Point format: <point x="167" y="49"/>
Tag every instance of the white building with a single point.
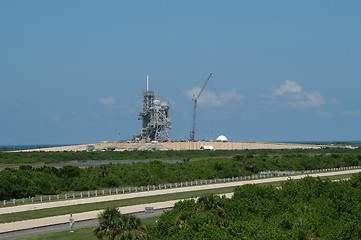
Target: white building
<point x="222" y="138"/>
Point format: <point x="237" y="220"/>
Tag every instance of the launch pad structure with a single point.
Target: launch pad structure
<point x="155" y="118"/>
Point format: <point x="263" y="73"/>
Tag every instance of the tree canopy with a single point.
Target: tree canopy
<point x="114" y="225"/>
<point x="311" y="208"/>
<point x="27" y="180"/>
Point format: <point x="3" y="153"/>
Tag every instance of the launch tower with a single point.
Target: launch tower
<point x="155" y="118"/>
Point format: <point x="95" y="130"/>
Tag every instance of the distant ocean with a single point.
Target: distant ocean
<point x="325" y="142"/>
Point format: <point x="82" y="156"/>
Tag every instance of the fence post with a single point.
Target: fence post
<point x="66" y="196"/>
<point x="110" y="192"/>
<point x="73" y="195"/>
<point x="57" y="196"/>
<point x="81" y="194"/>
<point x="103" y="192"/>
<point x="123" y="190"/>
<point x="4" y="202"/>
<point x="96" y="193"/>
<point x="116" y="191"/>
<point x="14" y="201"/>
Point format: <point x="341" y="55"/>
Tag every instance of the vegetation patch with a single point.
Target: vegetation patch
<point x="28" y="181"/>
<point x="311" y="208"/>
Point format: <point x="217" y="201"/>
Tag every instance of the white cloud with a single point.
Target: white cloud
<point x="107" y="101"/>
<point x="209" y="98"/>
<point x="353" y="113"/>
<point x="287" y="87"/>
<point x="230" y="96"/>
<point x="291" y="94"/>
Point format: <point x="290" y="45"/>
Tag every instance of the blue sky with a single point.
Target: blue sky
<point x="74" y="71"/>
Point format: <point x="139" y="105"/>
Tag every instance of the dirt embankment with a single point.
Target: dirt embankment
<point x="163" y="146"/>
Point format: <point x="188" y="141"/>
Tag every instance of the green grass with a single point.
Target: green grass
<point x="81" y="233"/>
<point x="150" y="221"/>
<point x="12" y="217"/>
<point x="78" y="234"/>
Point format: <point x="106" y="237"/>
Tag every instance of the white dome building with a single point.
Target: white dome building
<point x="222" y="138"/>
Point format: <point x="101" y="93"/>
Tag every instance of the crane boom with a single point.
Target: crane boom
<point x="195" y="99"/>
<point x="204" y="85"/>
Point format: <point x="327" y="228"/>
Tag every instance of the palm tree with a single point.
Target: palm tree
<point x="109" y="221"/>
<point x="209" y="202"/>
<point x="132" y="228"/>
<point x="114" y="225"/>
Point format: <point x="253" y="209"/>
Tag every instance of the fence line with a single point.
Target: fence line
<point x="94" y="193"/>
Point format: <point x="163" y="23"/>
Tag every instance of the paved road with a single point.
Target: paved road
<point x="27" y="224"/>
<point x="61" y="219"/>
<point x="65" y="226"/>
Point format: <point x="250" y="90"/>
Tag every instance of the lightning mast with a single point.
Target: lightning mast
<point x="195" y="99"/>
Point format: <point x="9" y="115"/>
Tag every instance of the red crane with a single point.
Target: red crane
<point x="195" y="98"/>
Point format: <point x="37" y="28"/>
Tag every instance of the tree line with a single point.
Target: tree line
<point x="27" y="181"/>
<point x="61" y="157"/>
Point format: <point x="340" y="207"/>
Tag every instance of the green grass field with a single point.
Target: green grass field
<point x="81" y="233"/>
<point x="78" y="234"/>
